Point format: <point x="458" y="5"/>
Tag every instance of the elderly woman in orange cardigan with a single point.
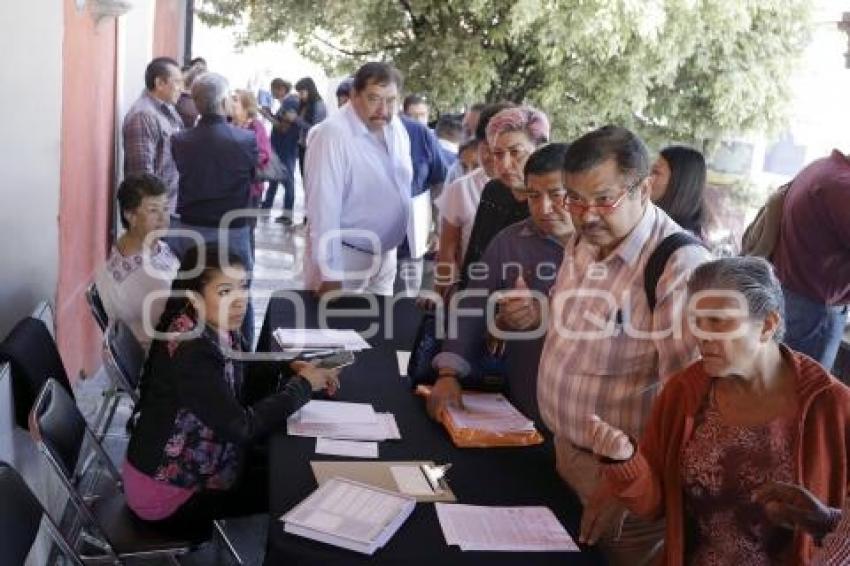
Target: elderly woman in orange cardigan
<point x="749" y="413"/>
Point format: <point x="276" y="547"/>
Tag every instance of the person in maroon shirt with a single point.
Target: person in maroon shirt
<point x="812" y="257"/>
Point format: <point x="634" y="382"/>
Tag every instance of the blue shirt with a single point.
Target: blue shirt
<point x="519" y="248"/>
<point x="355" y="181"/>
<point x="426" y="156"/>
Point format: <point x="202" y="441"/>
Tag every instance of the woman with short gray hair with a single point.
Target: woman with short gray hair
<point x="749" y="413"/>
<point x="754" y="282"/>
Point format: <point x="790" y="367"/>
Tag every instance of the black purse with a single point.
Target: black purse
<point x="273" y="170"/>
<point x="426" y="346"/>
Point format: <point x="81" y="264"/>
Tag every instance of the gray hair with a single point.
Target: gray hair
<point x="751" y="276"/>
<point x="209" y="91"/>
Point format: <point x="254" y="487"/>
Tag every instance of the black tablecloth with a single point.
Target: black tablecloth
<point x="499" y="476"/>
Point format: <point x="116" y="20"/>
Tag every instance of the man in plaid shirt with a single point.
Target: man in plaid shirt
<point x="151" y="122"/>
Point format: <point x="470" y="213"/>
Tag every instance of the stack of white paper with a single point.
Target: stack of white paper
<point x="343" y="421"/>
<point x="349" y="514"/>
<point x="384" y="429"/>
<point x="490" y="412"/>
<point x="352" y="448"/>
<point x="507" y="529"/>
<point x="336" y="412"/>
<point x="319" y="338"/>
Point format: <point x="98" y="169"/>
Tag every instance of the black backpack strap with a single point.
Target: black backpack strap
<point x="657" y="262"/>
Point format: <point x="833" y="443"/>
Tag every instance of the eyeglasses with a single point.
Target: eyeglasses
<point x="377" y="100"/>
<point x="603" y="205"/>
<point x="555" y="195"/>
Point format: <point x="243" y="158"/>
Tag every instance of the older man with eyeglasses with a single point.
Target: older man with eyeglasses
<point x="357" y="180"/>
<point x="614" y="331"/>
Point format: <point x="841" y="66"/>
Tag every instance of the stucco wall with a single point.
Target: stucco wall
<point x="30" y="112"/>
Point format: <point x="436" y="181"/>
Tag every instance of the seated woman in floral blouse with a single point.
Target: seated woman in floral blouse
<point x="139" y="264"/>
<point x="749" y="413"/>
<point x="202" y="408"/>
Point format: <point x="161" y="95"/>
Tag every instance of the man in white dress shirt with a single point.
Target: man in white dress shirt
<point x="357" y="184"/>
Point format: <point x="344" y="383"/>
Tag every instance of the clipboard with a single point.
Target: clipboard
<point x="419" y="224"/>
<point x="379" y="474"/>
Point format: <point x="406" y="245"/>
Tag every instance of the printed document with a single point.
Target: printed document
<point x="491" y="412"/>
<point x="336" y="412"/>
<point x="507" y="529"/>
<point x="384" y="428"/>
<point x="350" y="515"/>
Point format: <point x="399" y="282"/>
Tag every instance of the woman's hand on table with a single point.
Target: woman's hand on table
<point x="319" y="378"/>
<point x="446" y="391"/>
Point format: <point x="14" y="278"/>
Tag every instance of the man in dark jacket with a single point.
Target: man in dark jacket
<point x="216" y="163"/>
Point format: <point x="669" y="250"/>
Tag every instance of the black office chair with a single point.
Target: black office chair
<point x="34" y="358"/>
<point x="124" y="359"/>
<point x="96" y="307"/>
<point x="61" y="434"/>
<point x="21" y="517"/>
<point x="44" y="312"/>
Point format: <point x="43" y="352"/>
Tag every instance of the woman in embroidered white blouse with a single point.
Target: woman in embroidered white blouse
<point x="140" y="263"/>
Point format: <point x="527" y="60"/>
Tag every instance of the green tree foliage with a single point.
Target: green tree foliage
<point x="678" y="69"/>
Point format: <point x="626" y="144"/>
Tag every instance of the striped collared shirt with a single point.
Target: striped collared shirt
<point x="605" y="352"/>
<point x="148" y="127"/>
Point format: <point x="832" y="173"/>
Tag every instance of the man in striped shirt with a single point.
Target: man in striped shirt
<point x="607" y="350"/>
<point x="150" y="123"/>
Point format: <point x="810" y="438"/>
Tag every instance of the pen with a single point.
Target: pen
<point x="316" y="354"/>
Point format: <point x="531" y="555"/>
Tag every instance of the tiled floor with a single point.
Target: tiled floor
<point x="277" y="266"/>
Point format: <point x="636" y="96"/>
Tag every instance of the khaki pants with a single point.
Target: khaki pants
<point x="641" y="542"/>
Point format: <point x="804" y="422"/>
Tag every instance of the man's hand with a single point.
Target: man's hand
<point x="327" y="287"/>
<point x="266" y="112"/>
<point x="519" y="311"/>
<point x="446" y="391"/>
<point x="425" y="303"/>
<point x="433" y="242"/>
<point x="608" y="441"/>
<point x="793" y="506"/>
<point x="602" y="515"/>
